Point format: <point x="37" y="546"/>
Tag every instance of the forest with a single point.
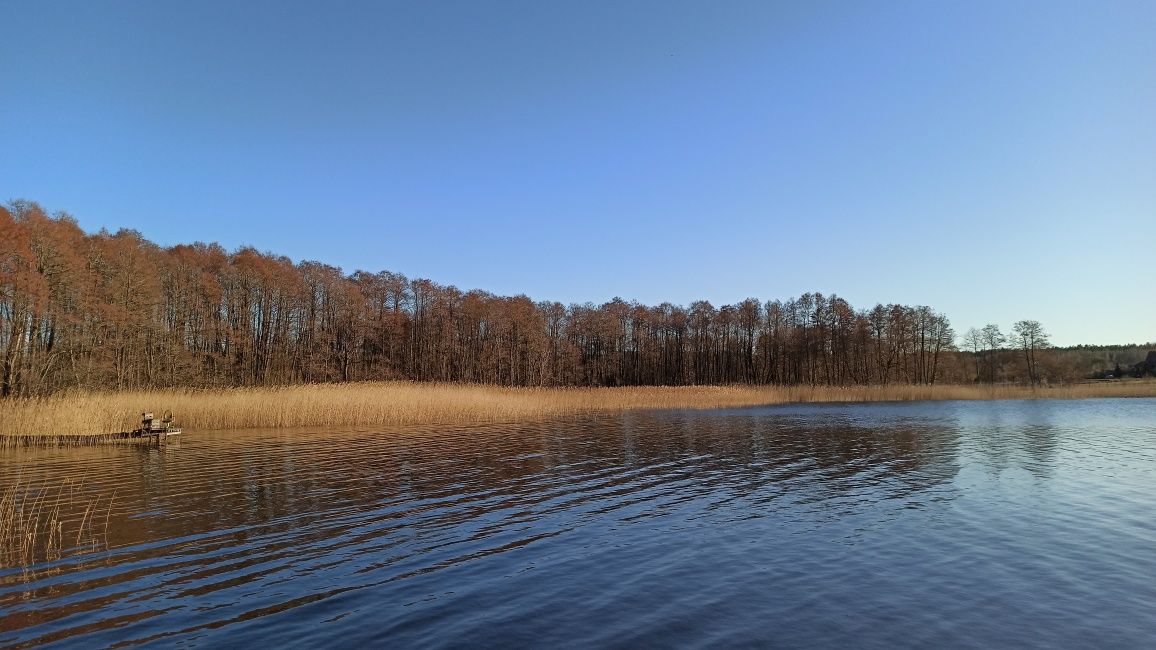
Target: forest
<point x="115" y="311"/>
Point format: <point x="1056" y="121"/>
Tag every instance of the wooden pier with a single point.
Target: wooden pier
<point x="152" y="428"/>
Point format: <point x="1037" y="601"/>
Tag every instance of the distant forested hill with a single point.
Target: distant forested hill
<point x="108" y="311"/>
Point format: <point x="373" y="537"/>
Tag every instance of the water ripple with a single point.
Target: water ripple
<point x="961" y="524"/>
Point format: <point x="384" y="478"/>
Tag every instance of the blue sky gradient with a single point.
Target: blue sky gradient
<point x="994" y="160"/>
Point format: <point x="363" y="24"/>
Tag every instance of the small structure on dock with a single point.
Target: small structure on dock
<point x="151" y="427"/>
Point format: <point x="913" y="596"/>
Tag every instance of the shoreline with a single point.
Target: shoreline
<point x="77" y="417"/>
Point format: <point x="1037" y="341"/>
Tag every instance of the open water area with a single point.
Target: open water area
<point x="941" y="524"/>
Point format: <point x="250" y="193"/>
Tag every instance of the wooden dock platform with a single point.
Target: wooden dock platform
<point x="152" y="428"/>
<point x="157" y="434"/>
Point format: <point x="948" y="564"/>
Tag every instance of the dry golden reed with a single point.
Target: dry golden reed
<point x="41" y="523"/>
<point x="80" y="414"/>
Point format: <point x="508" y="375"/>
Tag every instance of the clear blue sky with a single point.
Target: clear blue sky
<point x="995" y="160"/>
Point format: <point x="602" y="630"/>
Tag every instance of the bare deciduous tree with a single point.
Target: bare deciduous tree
<point x="1030" y="337"/>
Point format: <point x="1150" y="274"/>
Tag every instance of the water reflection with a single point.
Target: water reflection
<point x="1013" y="435"/>
<point x="661" y="526"/>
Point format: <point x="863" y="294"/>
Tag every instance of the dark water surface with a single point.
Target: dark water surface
<point x="957" y="524"/>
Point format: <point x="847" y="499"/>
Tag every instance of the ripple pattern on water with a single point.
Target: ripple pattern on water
<point x="964" y="524"/>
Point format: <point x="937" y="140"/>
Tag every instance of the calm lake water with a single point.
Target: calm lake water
<point x="951" y="524"/>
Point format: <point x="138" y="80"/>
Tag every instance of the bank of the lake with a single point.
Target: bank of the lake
<point x="70" y="415"/>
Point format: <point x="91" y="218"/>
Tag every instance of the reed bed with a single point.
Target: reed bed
<point x="39" y="523"/>
<point x="78" y="416"/>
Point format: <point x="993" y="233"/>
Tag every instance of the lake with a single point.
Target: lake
<point x="938" y="524"/>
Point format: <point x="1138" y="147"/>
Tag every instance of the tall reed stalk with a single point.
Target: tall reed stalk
<point x="40" y="523"/>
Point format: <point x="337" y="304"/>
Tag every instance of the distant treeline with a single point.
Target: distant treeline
<point x="107" y="310"/>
